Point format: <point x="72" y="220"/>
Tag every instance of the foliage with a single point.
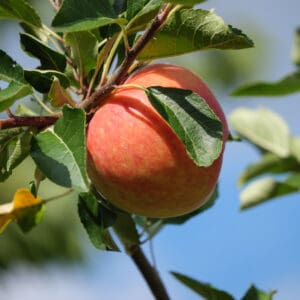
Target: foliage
<point x="88" y="52"/>
<point x="268" y="132"/>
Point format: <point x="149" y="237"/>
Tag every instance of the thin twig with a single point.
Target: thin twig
<point x="149" y="273"/>
<point x="38" y="122"/>
<point x="120" y="75"/>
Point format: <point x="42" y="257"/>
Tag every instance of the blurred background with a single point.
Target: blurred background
<point x="225" y="247"/>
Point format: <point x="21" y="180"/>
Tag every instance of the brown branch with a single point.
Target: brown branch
<point x="38" y="122"/>
<point x="120" y="75"/>
<point x="149" y="273"/>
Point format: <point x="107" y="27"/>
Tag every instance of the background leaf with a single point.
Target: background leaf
<point x="60" y="152"/>
<point x="190" y="30"/>
<point x="13" y="73"/>
<point x="296" y="48"/>
<point x="96" y="219"/>
<point x="25" y="208"/>
<point x="193" y="121"/>
<point x="262" y="127"/>
<point x="80" y="15"/>
<point x="20" y="10"/>
<point x="255" y="294"/>
<point x="49" y="59"/>
<point x="205" y="290"/>
<point x="287" y="85"/>
<point x="267" y="188"/>
<point x="58" y="95"/>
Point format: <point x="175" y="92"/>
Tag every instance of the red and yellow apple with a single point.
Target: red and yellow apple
<point x="135" y="159"/>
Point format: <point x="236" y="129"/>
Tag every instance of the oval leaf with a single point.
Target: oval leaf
<point x="190" y="30"/>
<point x="264" y="128"/>
<point x="191" y="118"/>
<point x="60" y="151"/>
<point x="287" y="85"/>
<point x="81" y="15"/>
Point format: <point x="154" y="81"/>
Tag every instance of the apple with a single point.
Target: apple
<point x="135" y="159"/>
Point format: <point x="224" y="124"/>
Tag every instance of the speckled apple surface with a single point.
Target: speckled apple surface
<point x="135" y="159"/>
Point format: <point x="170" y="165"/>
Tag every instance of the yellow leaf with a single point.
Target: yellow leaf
<point x="23" y="199"/>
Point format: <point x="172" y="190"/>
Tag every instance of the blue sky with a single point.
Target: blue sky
<point x="224" y="247"/>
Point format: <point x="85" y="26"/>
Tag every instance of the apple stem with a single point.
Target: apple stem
<point x="149" y="273"/>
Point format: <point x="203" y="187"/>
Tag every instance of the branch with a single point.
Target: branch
<point x="149" y="273"/>
<point x="120" y="75"/>
<point x="38" y="122"/>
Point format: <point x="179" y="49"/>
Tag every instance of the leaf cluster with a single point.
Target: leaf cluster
<point x="277" y="172"/>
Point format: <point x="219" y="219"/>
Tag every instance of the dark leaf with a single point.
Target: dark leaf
<point x="81" y="15"/>
<point x="96" y="219"/>
<point x="205" y="290"/>
<point x="193" y="121"/>
<point x="12" y="73"/>
<point x="255" y="294"/>
<point x="49" y="59"/>
<point x="41" y="80"/>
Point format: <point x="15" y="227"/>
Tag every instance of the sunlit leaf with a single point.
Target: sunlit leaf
<point x="58" y="95"/>
<point x="60" y="151"/>
<point x="20" y="10"/>
<point x="84" y="48"/>
<point x="269" y="163"/>
<point x="12" y="73"/>
<point x="265" y="189"/>
<point x="296" y="48"/>
<point x="193" y="121"/>
<point x="255" y="294"/>
<point x="262" y="127"/>
<point x="191" y="30"/>
<point x="25" y="209"/>
<point x="205" y="290"/>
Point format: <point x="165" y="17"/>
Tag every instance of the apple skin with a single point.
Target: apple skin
<point x="135" y="159"/>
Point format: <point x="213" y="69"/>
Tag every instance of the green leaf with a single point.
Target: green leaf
<point x="287" y="85"/>
<point x="269" y="163"/>
<point x="58" y="95"/>
<point x="23" y="111"/>
<point x="126" y="230"/>
<point x="18" y="88"/>
<point x="267" y="188"/>
<point x="140" y="16"/>
<point x="14" y="148"/>
<point x="42" y="80"/>
<point x="84" y="47"/>
<point x="193" y="121"/>
<point x="81" y="15"/>
<point x="60" y="151"/>
<point x="262" y="127"/>
<point x="296" y="48"/>
<point x="96" y="219"/>
<point x="191" y="30"/>
<point x="205" y="290"/>
<point x="20" y="10"/>
<point x="182" y="219"/>
<point x="295" y="147"/>
<point x="49" y="59"/>
<point x="186" y="2"/>
<point x="255" y="294"/>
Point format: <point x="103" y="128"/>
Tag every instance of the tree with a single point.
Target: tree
<point x="83" y="60"/>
